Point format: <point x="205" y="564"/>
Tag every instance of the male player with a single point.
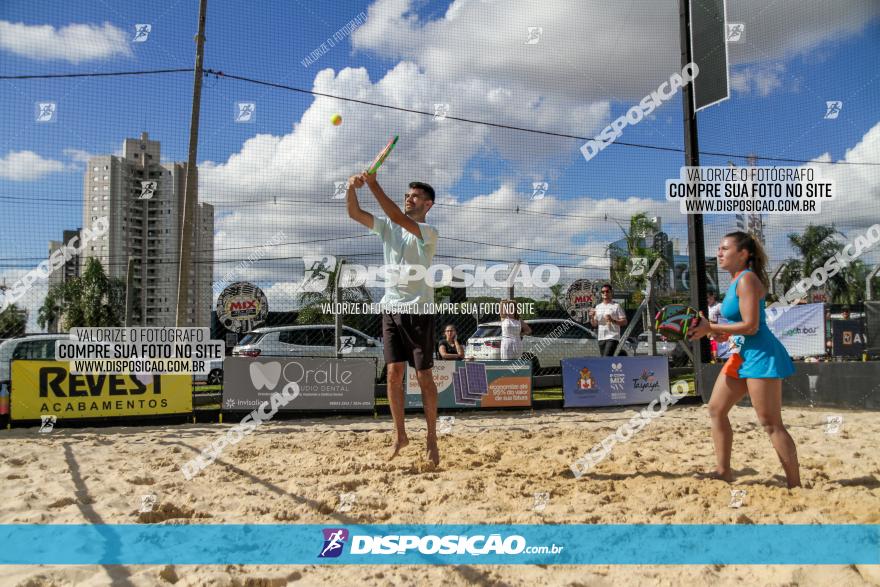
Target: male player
<point x="408" y="329"/>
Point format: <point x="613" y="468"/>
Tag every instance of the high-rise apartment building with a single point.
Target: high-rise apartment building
<point x="143" y="202"/>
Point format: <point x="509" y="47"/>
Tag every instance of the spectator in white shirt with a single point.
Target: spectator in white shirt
<point x="608" y="317"/>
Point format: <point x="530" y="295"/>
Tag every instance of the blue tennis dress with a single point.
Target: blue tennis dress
<point x="762" y="356"/>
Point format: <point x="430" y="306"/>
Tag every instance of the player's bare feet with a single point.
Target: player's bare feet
<point x="433" y="452"/>
<point x="715" y="475"/>
<point x="398" y="444"/>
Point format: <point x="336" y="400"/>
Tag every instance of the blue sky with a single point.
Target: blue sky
<point x="781" y="82"/>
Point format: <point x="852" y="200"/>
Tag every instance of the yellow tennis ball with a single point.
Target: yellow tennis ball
<point x="336" y="120"/>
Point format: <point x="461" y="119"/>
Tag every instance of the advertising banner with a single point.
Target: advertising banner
<point x="800" y="328"/>
<point x="848" y="338"/>
<point x="471" y="384"/>
<point x="48" y="388"/>
<point x="324" y="383"/>
<point x="613" y="381"/>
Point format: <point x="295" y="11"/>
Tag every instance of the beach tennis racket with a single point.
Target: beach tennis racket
<point x="675" y="320"/>
<point x="380" y="158"/>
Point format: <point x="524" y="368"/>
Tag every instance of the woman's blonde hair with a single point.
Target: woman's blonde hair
<point x="757" y="260"/>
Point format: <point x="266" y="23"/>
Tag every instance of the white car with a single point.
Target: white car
<point x="35" y="346"/>
<point x="676" y="356"/>
<point x="551" y="341"/>
<point x="310" y="341"/>
<point x="214" y="377"/>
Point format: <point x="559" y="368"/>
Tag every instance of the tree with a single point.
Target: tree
<point x="310" y="311"/>
<point x="13" y="321"/>
<point x="556" y="295"/>
<point x="640" y="226"/>
<point x="91" y="300"/>
<point x="854" y="279"/>
<point x="814" y="246"/>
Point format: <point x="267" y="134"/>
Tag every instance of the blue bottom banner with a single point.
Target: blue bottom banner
<point x="136" y="544"/>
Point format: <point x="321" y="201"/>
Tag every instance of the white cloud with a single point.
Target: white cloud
<point x="74" y="43"/>
<point x="78" y="155"/>
<point x="761" y="79"/>
<point x="560" y="84"/>
<point x="27" y="166"/>
<point x="605" y="49"/>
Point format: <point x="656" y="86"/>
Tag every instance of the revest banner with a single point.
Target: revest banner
<point x="613" y="381"/>
<point x="800" y="328"/>
<point x="471" y="384"/>
<point x="47" y="388"/>
<point x="325" y="384"/>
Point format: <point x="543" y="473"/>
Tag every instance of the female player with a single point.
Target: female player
<point x="761" y="364"/>
<point x="512" y="331"/>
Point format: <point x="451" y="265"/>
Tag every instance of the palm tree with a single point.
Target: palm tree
<point x="815" y="245"/>
<point x="310" y="301"/>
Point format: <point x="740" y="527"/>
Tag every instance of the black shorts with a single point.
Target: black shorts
<point x="410" y="338"/>
<point x="607" y="347"/>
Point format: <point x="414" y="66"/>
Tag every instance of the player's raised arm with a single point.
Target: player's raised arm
<point x="392" y="210"/>
<point x="354" y="209"/>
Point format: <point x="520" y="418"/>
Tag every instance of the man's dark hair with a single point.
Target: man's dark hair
<point x="608" y="285"/>
<point x="424" y="187"/>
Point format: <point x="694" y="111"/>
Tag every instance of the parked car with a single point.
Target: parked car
<point x="214" y="377"/>
<point x="34" y="346"/>
<point x="551" y="340"/>
<point x="310" y="341"/>
<point x="677" y="357"/>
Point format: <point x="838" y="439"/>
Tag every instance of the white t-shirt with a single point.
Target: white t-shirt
<point x="715" y="312"/>
<point x="402" y="249"/>
<point x="609" y="331"/>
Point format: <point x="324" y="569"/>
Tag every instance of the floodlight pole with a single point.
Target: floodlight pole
<point x="696" y="244"/>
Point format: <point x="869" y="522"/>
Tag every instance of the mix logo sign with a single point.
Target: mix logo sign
<point x="617" y="379"/>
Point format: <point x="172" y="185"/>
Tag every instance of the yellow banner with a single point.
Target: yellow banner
<point x="44" y="388"/>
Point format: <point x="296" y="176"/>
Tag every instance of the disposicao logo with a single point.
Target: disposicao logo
<point x="334" y="540"/>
